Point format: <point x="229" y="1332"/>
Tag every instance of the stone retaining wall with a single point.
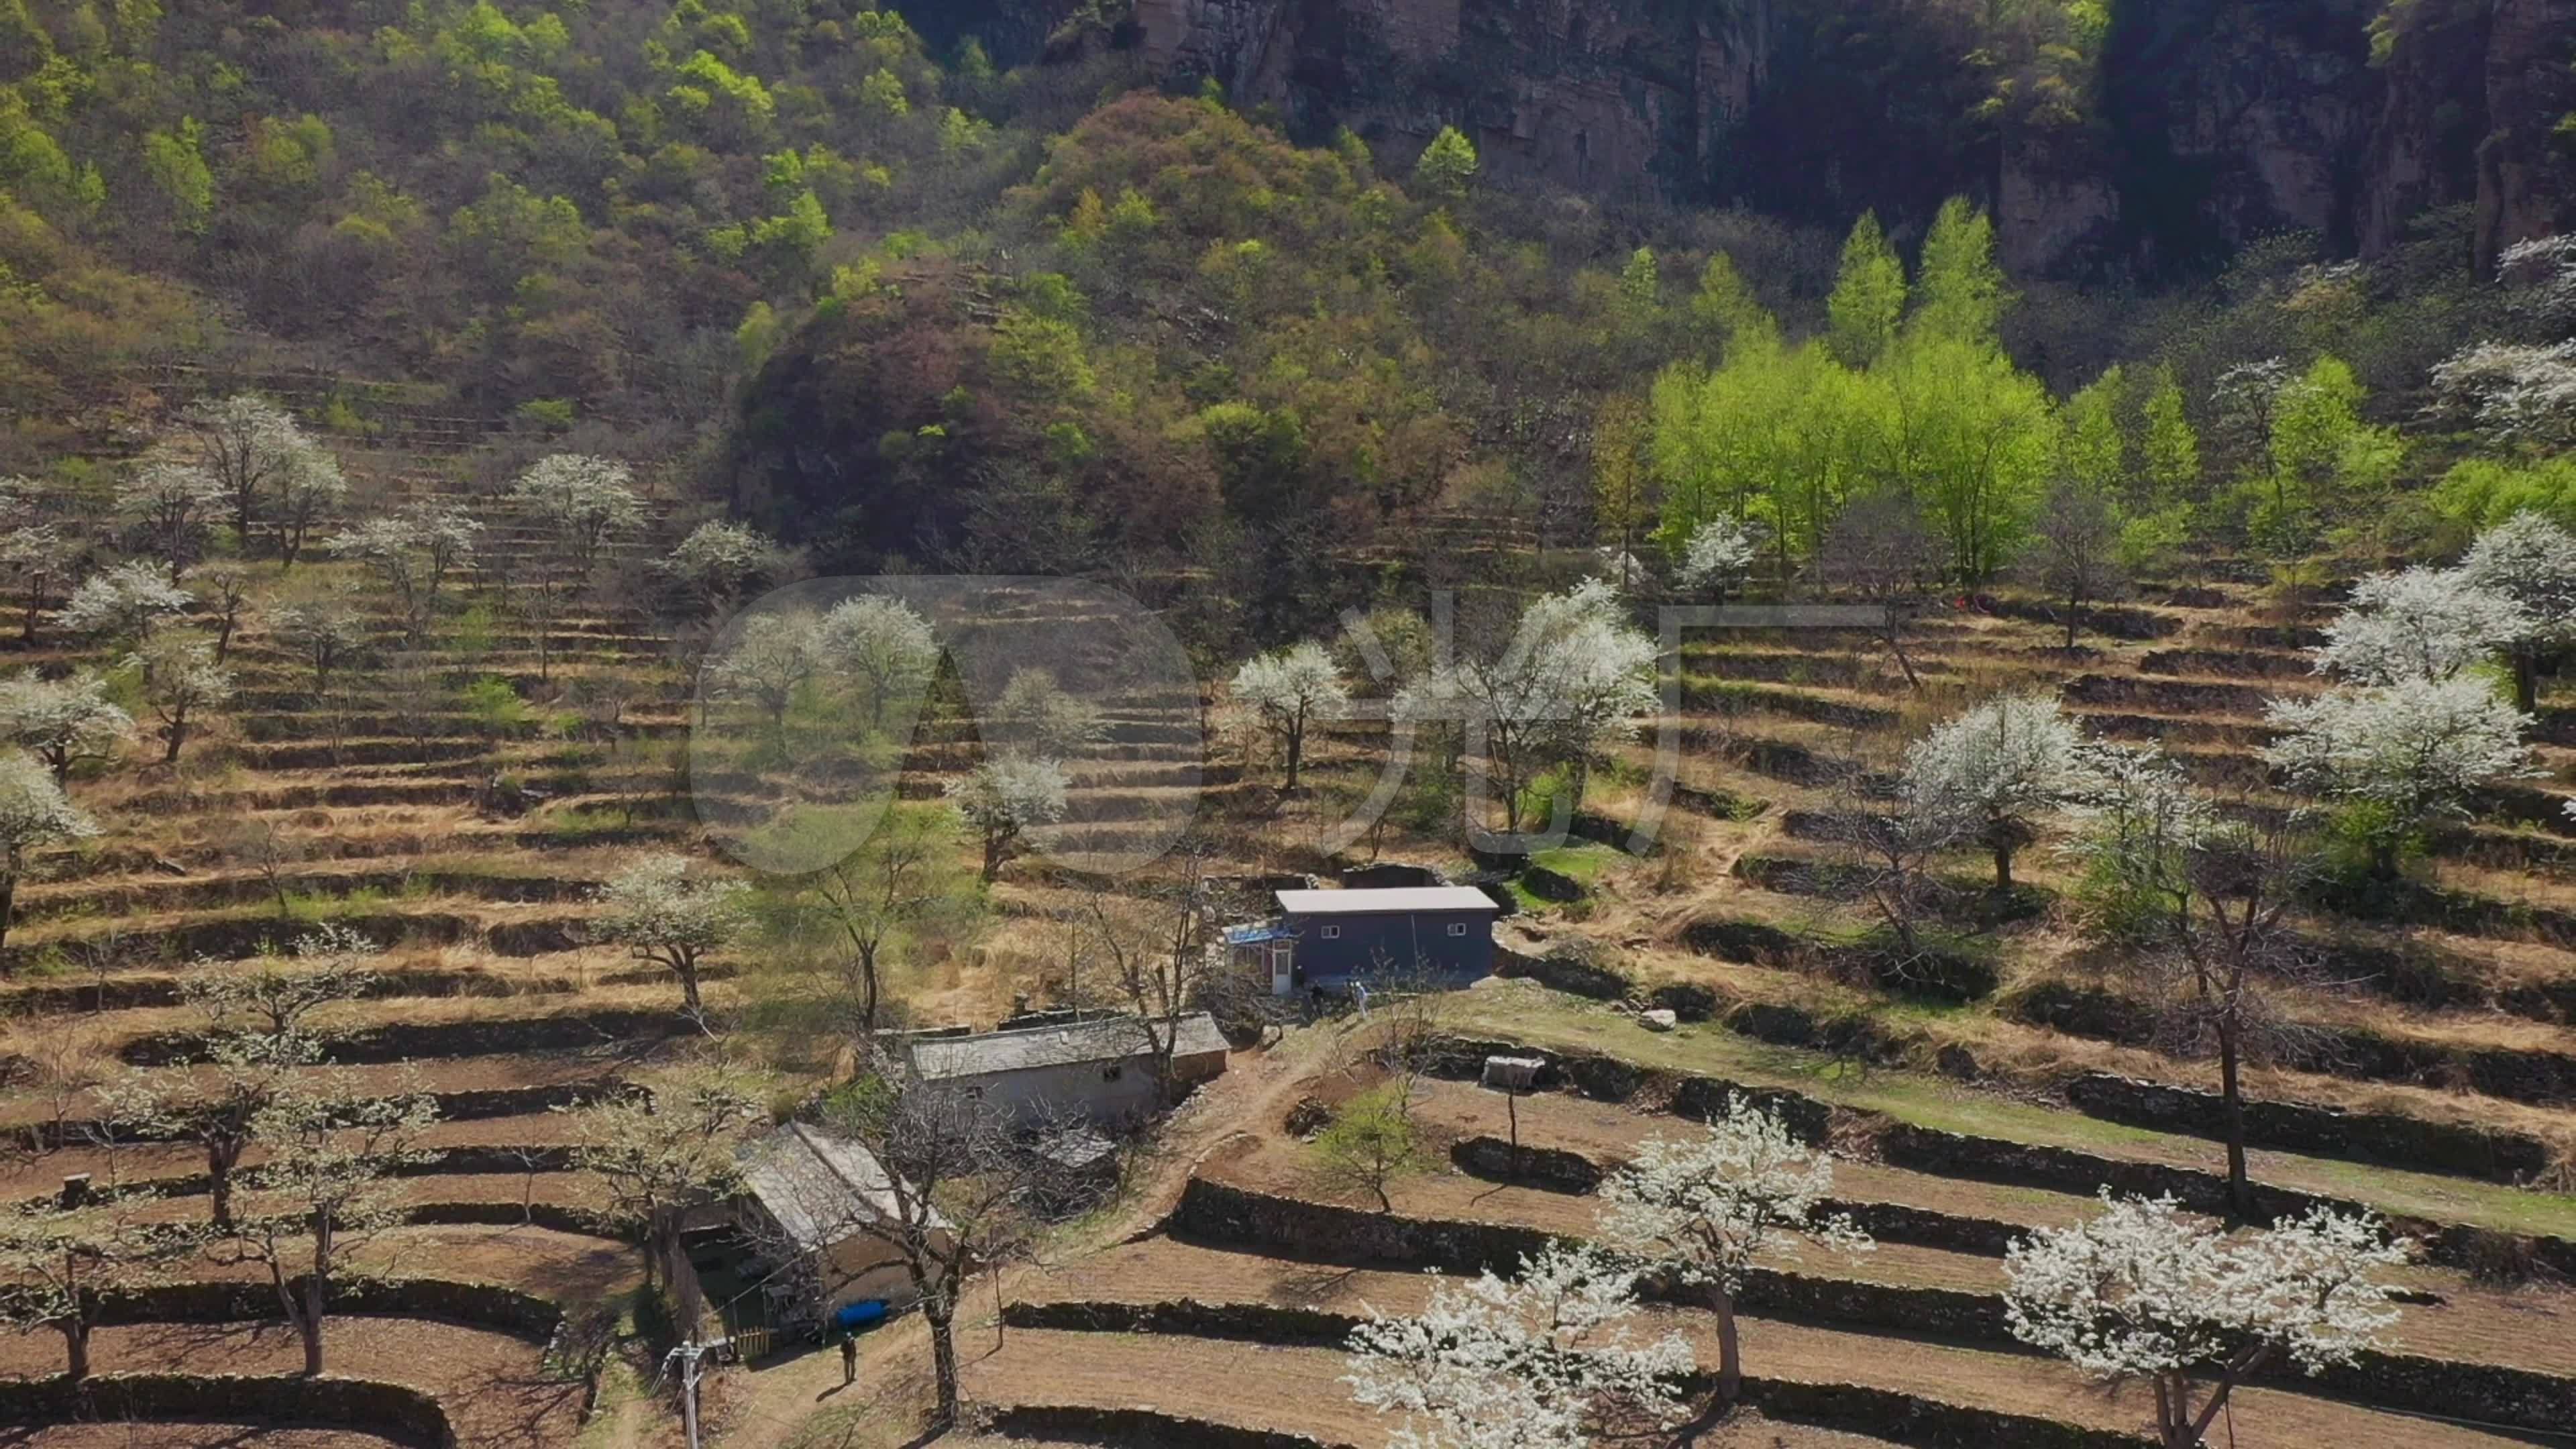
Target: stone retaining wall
<point x="397" y="1412"/>
<point x="1242" y="1218"/>
<point x="2382" y="1137"/>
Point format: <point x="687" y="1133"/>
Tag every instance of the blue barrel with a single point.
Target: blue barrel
<point x="866" y="1313"/>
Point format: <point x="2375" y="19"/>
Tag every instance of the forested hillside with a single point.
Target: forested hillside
<point x="905" y="307"/>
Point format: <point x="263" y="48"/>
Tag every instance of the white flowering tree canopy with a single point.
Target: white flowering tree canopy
<point x="2007" y="758"/>
<point x="664" y="910"/>
<point x="33" y="810"/>
<point x="883" y="645"/>
<point x="123" y="602"/>
<point x="1718" y="556"/>
<point x="1551" y="1359"/>
<point x="775" y="655"/>
<point x="581" y="499"/>
<point x="1003" y="797"/>
<point x="2540" y="278"/>
<point x="2531" y="561"/>
<point x="1009" y="792"/>
<point x="1289" y="689"/>
<point x="2514" y="394"/>
<point x="2140" y="1290"/>
<point x="718" y="559"/>
<point x="664" y="902"/>
<point x="2420" y="623"/>
<point x="2417" y="746"/>
<point x="64" y="722"/>
<point x="1996" y="769"/>
<point x="1706" y="1206"/>
<point x="1298" y="683"/>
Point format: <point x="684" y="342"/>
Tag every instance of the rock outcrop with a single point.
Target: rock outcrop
<point x="2208" y="123"/>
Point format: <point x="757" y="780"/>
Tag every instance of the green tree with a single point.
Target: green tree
<point x="1960" y="294"/>
<point x="1446" y="165"/>
<point x="1868" y="296"/>
<point x="2170" y="451"/>
<point x="176" y="162"/>
<point x="1975" y="439"/>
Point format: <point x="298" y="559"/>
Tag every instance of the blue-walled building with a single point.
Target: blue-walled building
<point x="1330" y="939"/>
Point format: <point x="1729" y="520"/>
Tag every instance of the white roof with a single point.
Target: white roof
<point x="821" y="1188"/>
<point x="1101" y="1039"/>
<point x="1391" y="901"/>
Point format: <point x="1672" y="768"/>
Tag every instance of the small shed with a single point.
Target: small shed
<point x="1100" y="1069"/>
<point x="805" y="1222"/>
<point x="1332" y="939"/>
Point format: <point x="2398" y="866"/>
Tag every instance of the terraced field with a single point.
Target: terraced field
<point x="469" y="841"/>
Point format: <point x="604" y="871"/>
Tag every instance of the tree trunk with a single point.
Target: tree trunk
<point x="2074" y="611"/>
<point x="220" y="1157"/>
<point x="76" y="1345"/>
<point x="1296" y="753"/>
<point x="1730" y="1348"/>
<point x="685" y="964"/>
<point x="2526" y="681"/>
<point x="8" y="899"/>
<point x="177" y="735"/>
<point x="2003" y="867"/>
<point x="2240" y="1190"/>
<point x="310" y="1324"/>
<point x="941" y="1316"/>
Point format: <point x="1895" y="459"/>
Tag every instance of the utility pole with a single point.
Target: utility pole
<point x="687" y="1354"/>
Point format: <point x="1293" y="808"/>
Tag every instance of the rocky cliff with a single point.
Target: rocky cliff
<point x="2198" y="124"/>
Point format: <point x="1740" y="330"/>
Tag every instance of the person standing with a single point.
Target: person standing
<point x="849" y="1358"/>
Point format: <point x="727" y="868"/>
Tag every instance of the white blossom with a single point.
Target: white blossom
<point x="2416" y="746"/>
<point x="1716" y="559"/>
<point x="64" y="722"/>
<point x="33" y="811"/>
<point x="1548" y="1360"/>
<point x="1003" y="797"/>
<point x="1287" y="690"/>
<point x="2141" y="1290"/>
<point x="582" y="500"/>
<point x="718" y="559"/>
<point x="772" y="658"/>
<point x="667" y="912"/>
<point x="1706" y="1206"/>
<point x="1997" y="768"/>
<point x="1575" y="676"/>
<point x="123" y="602"/>
<point x="2513" y="393"/>
<point x="170" y="504"/>
<point x="2541" y="274"/>
<point x="2532" y="561"/>
<point x="2419" y="624"/>
<point x="883" y="644"/>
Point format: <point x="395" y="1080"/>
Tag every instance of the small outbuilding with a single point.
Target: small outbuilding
<point x="1332" y="939"/>
<point x="1100" y="1069"/>
<point x="807" y="1237"/>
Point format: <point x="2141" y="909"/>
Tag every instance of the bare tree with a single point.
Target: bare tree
<point x="958" y="1190"/>
<point x="1883" y="553"/>
<point x="2075" y="544"/>
<point x="224" y="588"/>
<point x="1155" y="953"/>
<point x="2233" y="944"/>
<point x="1886" y="842"/>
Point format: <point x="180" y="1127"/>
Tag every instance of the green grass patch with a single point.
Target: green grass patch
<point x="1530" y="1013"/>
